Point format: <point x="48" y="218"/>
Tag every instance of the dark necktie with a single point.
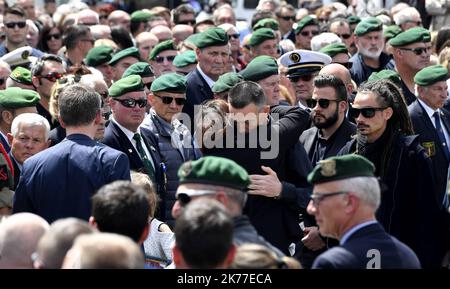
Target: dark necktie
<point x="441" y="134"/>
<point x="147" y="164"/>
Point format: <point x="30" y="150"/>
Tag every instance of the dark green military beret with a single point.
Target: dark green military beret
<point x="99" y="55"/>
<point x="261" y="35"/>
<point x="21" y="75"/>
<point x="214" y="171"/>
<point x="341" y="167"/>
<point x="368" y="25"/>
<point x="226" y="82"/>
<point x="170" y="82"/>
<point x="143" y="69"/>
<point x="391" y="31"/>
<point x="214" y="36"/>
<point x="267" y="23"/>
<point x="130" y="51"/>
<point x="16" y="97"/>
<point x="412" y="35"/>
<point x="430" y="75"/>
<point x="141" y="16"/>
<point x="160" y="47"/>
<point x="306" y="21"/>
<point x="259" y="68"/>
<point x="352" y="19"/>
<point x="184" y="59"/>
<point x="388" y="74"/>
<point x="126" y="84"/>
<point x="334" y="49"/>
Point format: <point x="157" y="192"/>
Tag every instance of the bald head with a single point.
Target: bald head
<point x="161" y="32"/>
<point x="180" y="32"/>
<point x="145" y="42"/>
<point x="340" y="72"/>
<point x="19" y="236"/>
<point x="119" y="17"/>
<point x="101" y="31"/>
<point x="88" y="17"/>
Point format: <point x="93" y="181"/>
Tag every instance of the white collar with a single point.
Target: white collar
<point x="126" y="131"/>
<point x="428" y="109"/>
<point x="208" y="80"/>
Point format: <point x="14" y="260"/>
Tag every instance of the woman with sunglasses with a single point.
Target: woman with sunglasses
<point x="51" y="39"/>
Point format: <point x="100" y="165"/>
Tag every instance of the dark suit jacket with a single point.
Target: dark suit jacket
<point x="60" y="181"/>
<point x="356" y="252"/>
<point x="16" y="170"/>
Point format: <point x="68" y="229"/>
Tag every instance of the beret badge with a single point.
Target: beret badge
<point x="186" y="169"/>
<point x="328" y="168"/>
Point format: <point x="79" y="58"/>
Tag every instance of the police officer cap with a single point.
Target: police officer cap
<point x="99" y="55"/>
<point x="388" y="74"/>
<point x="214" y="36"/>
<point x="334" y="49"/>
<point x="169" y="82"/>
<point x="160" y="47"/>
<point x="341" y="167"/>
<point x="127" y="84"/>
<point x="21" y="75"/>
<point x="184" y="59"/>
<point x="16" y="97"/>
<point x="306" y="21"/>
<point x="214" y="171"/>
<point x="267" y="23"/>
<point x="141" y="16"/>
<point x="130" y="51"/>
<point x="226" y="82"/>
<point x="391" y="31"/>
<point x="143" y="69"/>
<point x="368" y="25"/>
<point x="430" y="75"/>
<point x="302" y="61"/>
<point x="261" y="35"/>
<point x="259" y="68"/>
<point x="412" y="35"/>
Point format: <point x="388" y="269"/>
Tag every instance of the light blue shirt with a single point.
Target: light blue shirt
<point x="350" y="232"/>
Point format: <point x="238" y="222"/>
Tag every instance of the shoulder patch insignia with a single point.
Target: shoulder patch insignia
<point x="429" y="148"/>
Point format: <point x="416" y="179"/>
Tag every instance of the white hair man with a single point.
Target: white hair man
<point x="323" y="39"/>
<point x="408" y="18"/>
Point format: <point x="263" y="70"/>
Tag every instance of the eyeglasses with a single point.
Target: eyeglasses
<point x="323" y="103"/>
<point x="417" y="51"/>
<point x="345" y="36"/>
<point x="55" y="36"/>
<point x="307" y="33"/>
<point x="52" y="76"/>
<point x="20" y="24"/>
<point x="168" y="100"/>
<point x="184" y="197"/>
<point x="92" y="41"/>
<point x="131" y="103"/>
<point x="317" y="198"/>
<point x="160" y="59"/>
<point x="287" y="18"/>
<point x="367" y="112"/>
<point x="347" y="65"/>
<point x="305" y="77"/>
<point x="187" y="22"/>
<point x="235" y="36"/>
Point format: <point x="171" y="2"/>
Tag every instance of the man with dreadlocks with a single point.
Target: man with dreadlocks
<point x="408" y="209"/>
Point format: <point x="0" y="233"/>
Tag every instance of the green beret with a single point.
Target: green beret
<point x="341" y="167"/>
<point x="352" y="19"/>
<point x="211" y="37"/>
<point x="143" y="69"/>
<point x="412" y="35"/>
<point x="99" y="55"/>
<point x="388" y="74"/>
<point x="267" y="23"/>
<point x="334" y="49"/>
<point x="226" y="82"/>
<point x="259" y="68"/>
<point x="214" y="171"/>
<point x="368" y="25"/>
<point x="430" y="75"/>
<point x="160" y="47"/>
<point x="130" y="51"/>
<point x="16" y="97"/>
<point x="126" y="84"/>
<point x="141" y="16"/>
<point x="170" y="82"/>
<point x="261" y="35"/>
<point x="306" y="21"/>
<point x="391" y="31"/>
<point x="184" y="59"/>
<point x="21" y="75"/>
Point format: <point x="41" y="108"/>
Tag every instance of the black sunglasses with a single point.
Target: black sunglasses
<point x="55" y="36"/>
<point x="160" y="59"/>
<point x="367" y="112"/>
<point x="307" y="33"/>
<point x="305" y="77"/>
<point x="323" y="103"/>
<point x="345" y="36"/>
<point x="347" y="65"/>
<point x="52" y="76"/>
<point x="417" y="51"/>
<point x="187" y="22"/>
<point x="168" y="100"/>
<point x="131" y="103"/>
<point x="287" y="18"/>
<point x="235" y="36"/>
<point x="11" y="25"/>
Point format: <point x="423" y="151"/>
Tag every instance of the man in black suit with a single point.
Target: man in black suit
<point x="345" y="197"/>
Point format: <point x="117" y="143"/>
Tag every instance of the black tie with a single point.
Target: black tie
<point x="147" y="164"/>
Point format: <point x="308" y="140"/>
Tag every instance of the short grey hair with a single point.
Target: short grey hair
<point x="30" y="119"/>
<point x="324" y="39"/>
<point x="366" y="188"/>
<point x="90" y="80"/>
<point x="405" y="15"/>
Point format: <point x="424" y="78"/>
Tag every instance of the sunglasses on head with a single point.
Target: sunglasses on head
<point x="169" y="99"/>
<point x="307" y="33"/>
<point x="323" y="103"/>
<point x="305" y="77"/>
<point x="235" y="36"/>
<point x="287" y="18"/>
<point x="416" y="51"/>
<point x="367" y="112"/>
<point x="131" y="103"/>
<point x="20" y="24"/>
<point x="52" y="76"/>
<point x="54" y="36"/>
<point x="160" y="59"/>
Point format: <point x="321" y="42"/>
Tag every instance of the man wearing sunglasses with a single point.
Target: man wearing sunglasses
<point x="341" y="28"/>
<point x="345" y="198"/>
<point x="175" y="144"/>
<point x="411" y="52"/>
<point x="161" y="57"/>
<point x="338" y="53"/>
<point x="286" y="17"/>
<point x="307" y="28"/>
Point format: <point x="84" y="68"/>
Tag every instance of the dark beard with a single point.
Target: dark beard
<point x="328" y="121"/>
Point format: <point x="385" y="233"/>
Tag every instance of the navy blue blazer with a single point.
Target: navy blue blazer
<point x="356" y="252"/>
<point x="60" y="181"/>
<point x="197" y="91"/>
